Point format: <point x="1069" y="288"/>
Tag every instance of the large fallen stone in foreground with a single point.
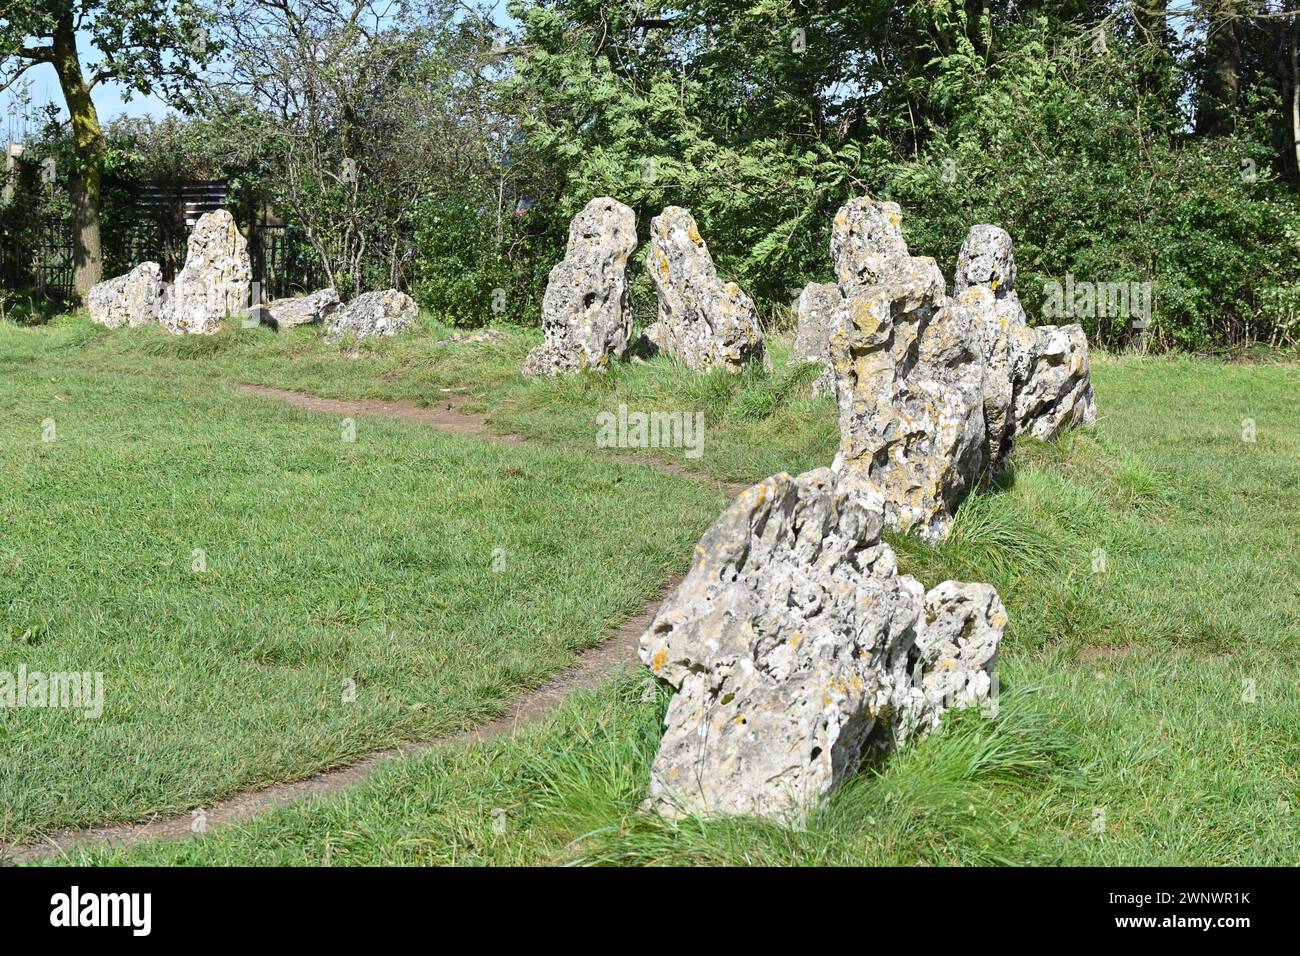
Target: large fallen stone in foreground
<point x="797" y="649"/>
<point x="909" y="376"/>
<point x="1037" y="378"/>
<point x="299" y="310"/>
<point x="215" y="281"/>
<point x="133" y="299"/>
<point x="704" y="322"/>
<point x="818" y="304"/>
<point x="373" y="313"/>
<point x="586" y="312"/>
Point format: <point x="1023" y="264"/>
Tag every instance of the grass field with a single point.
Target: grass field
<point x="1151" y="567"/>
<point x="229" y="563"/>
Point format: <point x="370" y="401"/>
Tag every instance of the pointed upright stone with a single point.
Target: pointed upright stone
<point x="215" y="281"/>
<point x="908" y="375"/>
<point x="703" y="321"/>
<point x="586" y="312"/>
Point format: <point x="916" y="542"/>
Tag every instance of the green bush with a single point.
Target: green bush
<point x="1058" y="151"/>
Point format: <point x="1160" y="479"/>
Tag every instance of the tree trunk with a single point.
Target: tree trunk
<point x="1221" y="84"/>
<point x="87" y="181"/>
<point x="1152" y="18"/>
<point x="1295" y="99"/>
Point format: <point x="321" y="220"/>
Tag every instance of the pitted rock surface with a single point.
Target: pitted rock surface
<point x="133" y="299"/>
<point x="383" y="313"/>
<point x="1038" y="381"/>
<point x="215" y="281"/>
<point x="310" y="309"/>
<point x="909" y="376"/>
<point x="1059" y="392"/>
<point x="797" y="649"/>
<point x="586" y="312"/>
<point x="703" y="321"/>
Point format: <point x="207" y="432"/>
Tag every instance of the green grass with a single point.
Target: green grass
<point x="326" y="561"/>
<point x="1158" y="696"/>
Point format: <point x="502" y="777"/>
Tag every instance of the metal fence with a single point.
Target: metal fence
<point x="152" y="223"/>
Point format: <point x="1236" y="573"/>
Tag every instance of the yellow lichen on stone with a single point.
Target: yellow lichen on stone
<point x="659" y="660"/>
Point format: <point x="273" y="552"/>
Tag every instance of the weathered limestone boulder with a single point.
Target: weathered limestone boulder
<point x="909" y="376"/>
<point x="818" y="303"/>
<point x="299" y="310"/>
<point x="986" y="260"/>
<point x="796" y="649"/>
<point x="1058" y="394"/>
<point x="133" y="299"/>
<point x="867" y="242"/>
<point x="1037" y="378"/>
<point x="215" y="280"/>
<point x="586" y="312"/>
<point x="373" y="313"/>
<point x="703" y="321"/>
<point x="985" y="290"/>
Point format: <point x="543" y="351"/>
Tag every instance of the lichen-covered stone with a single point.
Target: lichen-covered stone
<point x="818" y="303"/>
<point x="586" y="312"/>
<point x="986" y="260"/>
<point x="866" y="242"/>
<point x="382" y="313"/>
<point x="909" y="376"/>
<point x="215" y="280"/>
<point x="703" y="321"/>
<point x="133" y="299"/>
<point x="985" y="290"/>
<point x="1037" y="378"/>
<point x="299" y="310"/>
<point x="1058" y="394"/>
<point x="796" y="649"/>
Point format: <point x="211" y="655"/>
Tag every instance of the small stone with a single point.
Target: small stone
<point x="818" y="304"/>
<point x="384" y="313"/>
<point x="1058" y="394"/>
<point x="1038" y="381"/>
<point x="299" y="310"/>
<point x="133" y="299"/>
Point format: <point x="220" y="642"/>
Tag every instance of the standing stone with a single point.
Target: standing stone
<point x="985" y="289"/>
<point x="909" y="376"/>
<point x="299" y="310"/>
<point x="215" y="280"/>
<point x="817" y="307"/>
<point x="703" y="321"/>
<point x="1038" y="381"/>
<point x="586" y="312"/>
<point x="796" y="649"/>
<point x="1059" y="392"/>
<point x="373" y="313"/>
<point x="867" y="242"/>
<point x="133" y="299"/>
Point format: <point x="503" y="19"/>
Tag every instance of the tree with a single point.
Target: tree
<point x="144" y="45"/>
<point x="371" y="110"/>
